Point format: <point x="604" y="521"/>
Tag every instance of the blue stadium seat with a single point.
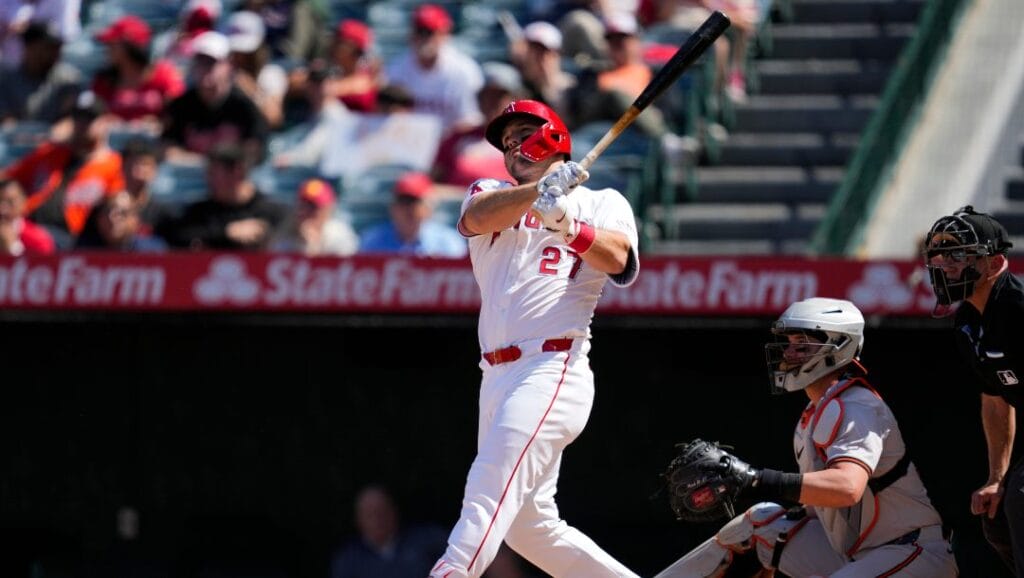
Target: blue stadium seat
<point x="178" y="184"/>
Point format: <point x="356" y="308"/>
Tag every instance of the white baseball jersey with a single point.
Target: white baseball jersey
<point x="534" y="291"/>
<point x="532" y="285"/>
<point x="447" y="90"/>
<point x="852" y="423"/>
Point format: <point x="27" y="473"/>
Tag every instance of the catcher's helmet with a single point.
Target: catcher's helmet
<point x="835" y="332"/>
<point x="954" y="242"/>
<point x="551" y="138"/>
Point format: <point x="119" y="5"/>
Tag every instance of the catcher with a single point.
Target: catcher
<point x="863" y="509"/>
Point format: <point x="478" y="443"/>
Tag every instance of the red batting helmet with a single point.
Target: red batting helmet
<point x="551" y="138"/>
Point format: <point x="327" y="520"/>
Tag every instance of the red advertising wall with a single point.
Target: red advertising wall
<point x="266" y="282"/>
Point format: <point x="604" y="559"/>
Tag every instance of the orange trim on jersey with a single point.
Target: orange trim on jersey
<point x="835" y="428"/>
<point x="515" y="469"/>
<point x="820" y="408"/>
<point x="860" y="540"/>
<point x="903" y="564"/>
<point x="860" y="463"/>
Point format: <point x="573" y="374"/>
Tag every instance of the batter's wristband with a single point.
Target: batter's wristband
<point x="776" y="484"/>
<point x="584" y="238"/>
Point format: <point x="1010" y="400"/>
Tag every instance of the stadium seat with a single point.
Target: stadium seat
<point x="180" y="184"/>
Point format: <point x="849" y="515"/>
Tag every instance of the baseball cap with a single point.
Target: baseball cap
<point x="989" y="231"/>
<point x="414" y="185"/>
<point x="545" y="34"/>
<point x="245" y="31"/>
<point x="503" y="76"/>
<point x="432" y="17"/>
<point x="317" y="191"/>
<point x="128" y="29"/>
<point x="200" y="15"/>
<point x="621" y="23"/>
<point x="212" y="44"/>
<point x="355" y="32"/>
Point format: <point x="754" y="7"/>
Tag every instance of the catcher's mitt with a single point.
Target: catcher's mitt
<point x="704" y="480"/>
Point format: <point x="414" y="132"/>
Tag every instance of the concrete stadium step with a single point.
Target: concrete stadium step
<point x="712" y="247"/>
<point x="805" y="113"/>
<point x="728" y="247"/>
<point x="787" y="149"/>
<point x="767" y="184"/>
<point x="774" y="221"/>
<point x="822" y="76"/>
<point x="834" y="41"/>
<point x="842" y="11"/>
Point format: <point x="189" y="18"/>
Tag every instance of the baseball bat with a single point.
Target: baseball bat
<point x="688" y="53"/>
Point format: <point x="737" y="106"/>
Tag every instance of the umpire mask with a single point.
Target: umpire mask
<point x="951" y="252"/>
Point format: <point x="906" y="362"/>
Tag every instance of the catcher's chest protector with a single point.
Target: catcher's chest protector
<point x="823" y="420"/>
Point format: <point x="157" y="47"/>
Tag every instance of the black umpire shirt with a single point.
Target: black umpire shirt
<point x="992" y="343"/>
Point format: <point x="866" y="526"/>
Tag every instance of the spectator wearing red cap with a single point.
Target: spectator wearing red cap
<point x="19" y="236"/>
<point x="442" y="79"/>
<point x="312" y="229"/>
<point x="132" y="87"/>
<point x="357" y="78"/>
<point x="410" y="230"/>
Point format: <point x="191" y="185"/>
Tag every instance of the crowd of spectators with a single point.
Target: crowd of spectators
<point x="277" y="85"/>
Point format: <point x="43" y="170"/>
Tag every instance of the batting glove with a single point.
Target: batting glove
<point x="558" y="214"/>
<point x="563" y="179"/>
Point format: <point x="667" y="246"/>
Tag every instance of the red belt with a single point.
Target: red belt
<point x="512" y="352"/>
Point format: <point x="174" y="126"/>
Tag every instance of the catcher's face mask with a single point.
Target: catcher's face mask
<point x="952" y="253"/>
<point x="798" y="358"/>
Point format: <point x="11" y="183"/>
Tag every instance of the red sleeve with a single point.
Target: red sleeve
<point x="37" y="240"/>
<point x="23" y="169"/>
<point x="168" y="80"/>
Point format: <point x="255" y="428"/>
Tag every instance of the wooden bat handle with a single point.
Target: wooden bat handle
<point x="609" y="137"/>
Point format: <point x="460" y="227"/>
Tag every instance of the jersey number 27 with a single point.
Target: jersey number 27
<point x="553" y="255"/>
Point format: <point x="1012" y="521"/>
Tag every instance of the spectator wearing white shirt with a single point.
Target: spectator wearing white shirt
<point x="442" y="80"/>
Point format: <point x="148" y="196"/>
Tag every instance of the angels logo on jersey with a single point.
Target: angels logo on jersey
<point x="1007" y="377"/>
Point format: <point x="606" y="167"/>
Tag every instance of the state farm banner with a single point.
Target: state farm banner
<point x="392" y="284"/>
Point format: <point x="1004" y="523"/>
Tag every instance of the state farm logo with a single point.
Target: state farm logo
<point x="881" y="287"/>
<point x="227" y="281"/>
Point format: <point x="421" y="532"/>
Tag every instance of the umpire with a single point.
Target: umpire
<point x="965" y="254"/>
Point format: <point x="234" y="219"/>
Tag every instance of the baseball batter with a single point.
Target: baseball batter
<point x="864" y="509"/>
<point x="541" y="254"/>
